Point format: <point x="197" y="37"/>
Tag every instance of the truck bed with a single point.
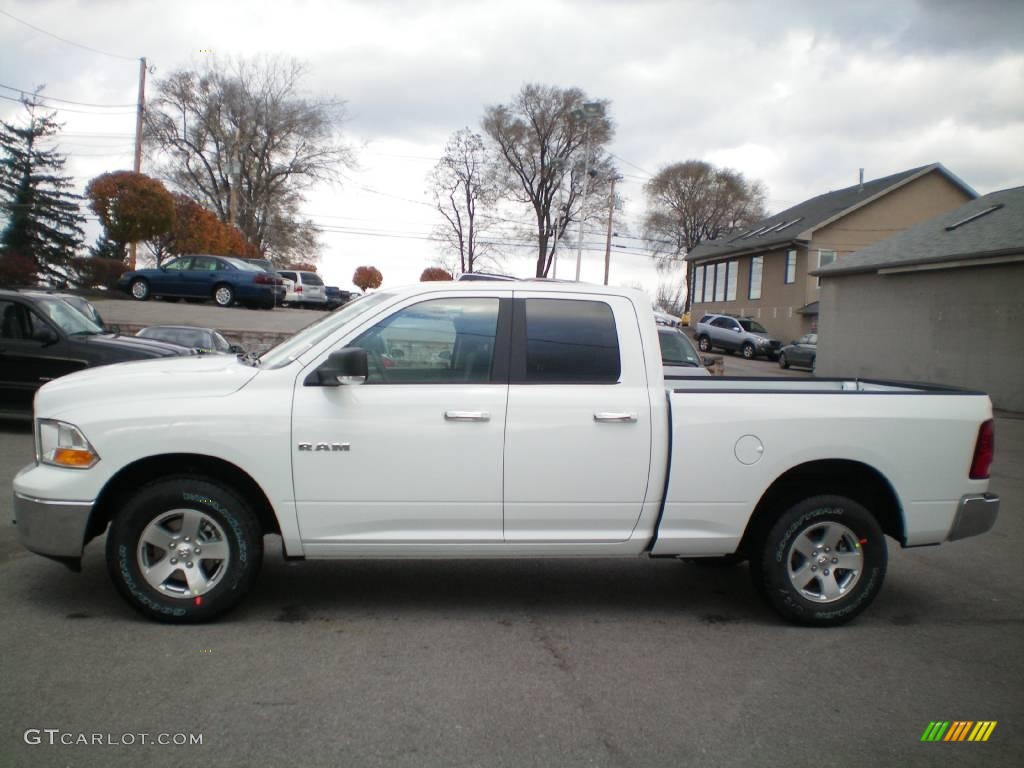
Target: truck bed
<point x="732" y="438"/>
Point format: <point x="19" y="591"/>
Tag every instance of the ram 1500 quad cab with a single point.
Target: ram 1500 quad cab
<point x="494" y="419"/>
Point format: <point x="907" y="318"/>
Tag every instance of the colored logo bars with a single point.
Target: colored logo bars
<point x="958" y="730"/>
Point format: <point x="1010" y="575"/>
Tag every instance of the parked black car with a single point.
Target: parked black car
<point x="42" y="338"/>
<point x="801" y="353"/>
<point x="337" y="297"/>
<point x="204" y="341"/>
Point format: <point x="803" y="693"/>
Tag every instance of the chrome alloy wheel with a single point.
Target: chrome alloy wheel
<point x="139" y="289"/>
<point x="183" y="553"/>
<point x="825" y="562"/>
<point x="224" y="296"/>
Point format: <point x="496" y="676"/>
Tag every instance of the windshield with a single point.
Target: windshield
<point x="242" y="264"/>
<point x="69" y="319"/>
<point x="752" y="325"/>
<point x="677" y="350"/>
<point x="316" y="332"/>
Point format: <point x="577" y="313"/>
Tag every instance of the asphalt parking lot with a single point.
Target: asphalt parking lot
<point x="520" y="663"/>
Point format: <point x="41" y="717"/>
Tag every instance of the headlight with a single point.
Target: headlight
<point x="63" y="445"/>
<point x="761" y="342"/>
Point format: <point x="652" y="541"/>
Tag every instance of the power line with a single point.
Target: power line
<point x="68" y="109"/>
<point x="65" y="40"/>
<point x="44" y="97"/>
<point x="633" y="165"/>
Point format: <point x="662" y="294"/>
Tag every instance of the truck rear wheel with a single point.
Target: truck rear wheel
<point x="184" y="550"/>
<point x="823" y="561"/>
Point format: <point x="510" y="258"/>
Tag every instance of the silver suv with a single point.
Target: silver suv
<point x="736" y="334"/>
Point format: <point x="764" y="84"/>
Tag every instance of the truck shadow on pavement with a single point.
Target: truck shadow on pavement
<point x="323" y="591"/>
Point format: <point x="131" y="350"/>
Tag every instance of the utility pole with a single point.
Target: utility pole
<point x="608" y="242"/>
<point x="141" y="109"/>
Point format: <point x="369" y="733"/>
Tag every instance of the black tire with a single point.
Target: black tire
<point x="212" y="501"/>
<point x="139" y="289"/>
<point x="704" y="343"/>
<point x="223" y="295"/>
<point x="749" y="353"/>
<point x="862" y="542"/>
<point x="783" y="362"/>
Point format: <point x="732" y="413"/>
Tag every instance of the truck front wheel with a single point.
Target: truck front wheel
<point x="823" y="561"/>
<point x="184" y="550"/>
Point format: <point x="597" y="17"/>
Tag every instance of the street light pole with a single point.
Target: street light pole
<point x="591" y="109"/>
<point x="583" y="205"/>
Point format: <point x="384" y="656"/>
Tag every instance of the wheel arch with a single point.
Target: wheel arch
<point x="843" y="477"/>
<point x="142" y="471"/>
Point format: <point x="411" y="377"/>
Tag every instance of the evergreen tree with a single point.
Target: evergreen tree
<point x="43" y="222"/>
<point x="105" y="248"/>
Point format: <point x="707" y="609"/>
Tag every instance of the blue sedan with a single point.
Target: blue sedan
<point x="224" y="279"/>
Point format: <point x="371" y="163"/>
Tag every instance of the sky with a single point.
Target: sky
<point x="799" y="95"/>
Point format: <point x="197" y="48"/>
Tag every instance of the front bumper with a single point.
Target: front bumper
<point x="975" y="515"/>
<point x="52" y="528"/>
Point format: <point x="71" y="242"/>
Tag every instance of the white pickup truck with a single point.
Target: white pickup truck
<point x="497" y="419"/>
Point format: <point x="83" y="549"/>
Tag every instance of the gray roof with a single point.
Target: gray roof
<point x="999" y="232"/>
<point x="788" y="226"/>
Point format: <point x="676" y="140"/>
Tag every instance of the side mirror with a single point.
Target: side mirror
<point x="46" y="335"/>
<point x="112" y="328"/>
<point x="346" y="366"/>
<point x="236" y="349"/>
<point x="707" y="361"/>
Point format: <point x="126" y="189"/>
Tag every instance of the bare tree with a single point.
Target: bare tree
<point x="541" y="138"/>
<point x="671" y="296"/>
<point x="238" y="134"/>
<point x="463" y="188"/>
<point x="694" y="201"/>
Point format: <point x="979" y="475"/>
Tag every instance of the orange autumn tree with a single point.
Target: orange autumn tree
<point x="198" y="230"/>
<point x="130" y="206"/>
<point x="365" y="278"/>
<point x="302" y="266"/>
<point x="434" y="274"/>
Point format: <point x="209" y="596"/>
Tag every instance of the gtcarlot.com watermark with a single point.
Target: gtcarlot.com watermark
<point x="55" y="737"/>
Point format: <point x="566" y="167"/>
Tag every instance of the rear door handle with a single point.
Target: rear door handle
<point x="622" y="418"/>
<point x="467" y="416"/>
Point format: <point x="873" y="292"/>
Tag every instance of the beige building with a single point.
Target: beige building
<point x="944" y="300"/>
<point x="763" y="272"/>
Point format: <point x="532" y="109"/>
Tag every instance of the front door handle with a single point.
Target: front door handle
<point x="622" y="418"/>
<point x="467" y="416"/>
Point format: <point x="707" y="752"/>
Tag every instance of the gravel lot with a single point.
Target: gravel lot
<point x="521" y="663"/>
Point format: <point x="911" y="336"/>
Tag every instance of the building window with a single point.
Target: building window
<point x="825" y="257"/>
<point x="790" y="267"/>
<point x="756" y="268"/>
<point x="730" y="280"/>
<point x="720" y="281"/>
<point x="698" y="285"/>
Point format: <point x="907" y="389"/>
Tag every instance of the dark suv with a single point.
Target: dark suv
<point x="42" y="337"/>
<point x="736" y="334"/>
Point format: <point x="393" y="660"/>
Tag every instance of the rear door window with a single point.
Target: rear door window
<point x="311" y="278"/>
<point x="570" y="341"/>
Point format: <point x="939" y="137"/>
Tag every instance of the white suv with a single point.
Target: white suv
<point x="303" y="288"/>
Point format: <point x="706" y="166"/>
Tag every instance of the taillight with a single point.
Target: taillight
<point x="298" y="289"/>
<point x="264" y="280"/>
<point x="984" y="450"/>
